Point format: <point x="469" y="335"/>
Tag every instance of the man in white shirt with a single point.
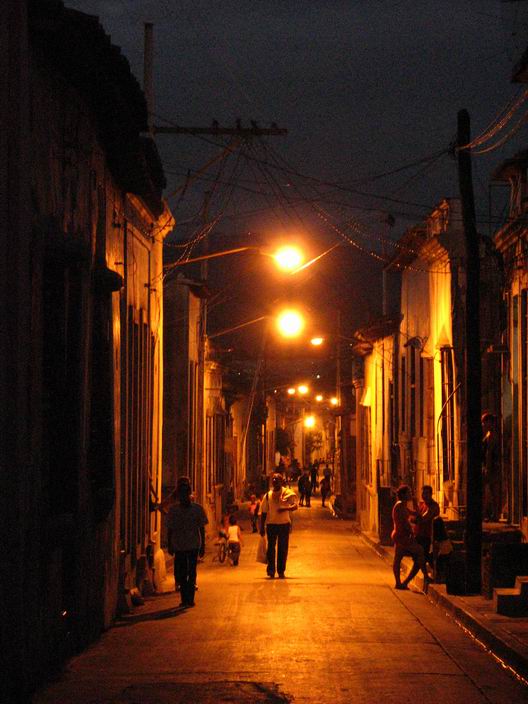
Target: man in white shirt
<point x="275" y="521"/>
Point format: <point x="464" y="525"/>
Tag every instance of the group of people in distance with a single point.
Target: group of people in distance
<point x="269" y="515"/>
<point x="413" y="527"/>
<point x="308" y="484"/>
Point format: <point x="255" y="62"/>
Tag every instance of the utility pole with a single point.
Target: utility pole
<point x="338" y="440"/>
<point x="201" y="440"/>
<point x="148" y="68"/>
<point x="238" y="133"/>
<point x="472" y="370"/>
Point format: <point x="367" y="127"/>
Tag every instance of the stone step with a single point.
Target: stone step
<point x="509" y="602"/>
<point x="521" y="583"/>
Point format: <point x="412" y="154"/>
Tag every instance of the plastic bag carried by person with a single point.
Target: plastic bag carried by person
<point x="262" y="548"/>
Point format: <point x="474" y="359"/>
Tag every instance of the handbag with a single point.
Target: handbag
<point x="262" y="549"/>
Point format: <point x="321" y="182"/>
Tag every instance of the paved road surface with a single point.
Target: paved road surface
<point x="333" y="631"/>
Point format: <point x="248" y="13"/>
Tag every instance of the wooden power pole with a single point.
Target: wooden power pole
<point x="472" y="366"/>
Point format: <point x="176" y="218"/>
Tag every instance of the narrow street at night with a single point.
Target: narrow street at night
<point x="334" y="630"/>
<point x="253" y="253"/>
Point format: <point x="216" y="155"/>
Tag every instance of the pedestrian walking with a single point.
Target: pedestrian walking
<point x="404" y="541"/>
<point x="186" y="523"/>
<point x="275" y="522"/>
<point x="305" y="489"/>
<point x="314" y="469"/>
<point x="491" y="469"/>
<point x="428" y="510"/>
<point x="326" y="488"/>
<point x="262" y="482"/>
<point x="234" y="540"/>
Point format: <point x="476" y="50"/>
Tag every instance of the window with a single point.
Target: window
<point x="403" y="386"/>
<point x="448" y="414"/>
<point x="137" y="403"/>
<point x="515" y="362"/>
<point x="421" y="402"/>
<point x="62" y="375"/>
<point x="412" y="393"/>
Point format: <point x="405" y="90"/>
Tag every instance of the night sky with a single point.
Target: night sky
<point x="364" y="87"/>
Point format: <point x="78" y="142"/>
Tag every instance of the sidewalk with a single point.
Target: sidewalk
<point x="506" y="638"/>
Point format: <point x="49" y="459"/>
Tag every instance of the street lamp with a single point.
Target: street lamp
<point x="290" y="323"/>
<point x="287" y="258"/>
<point x="303" y="389"/>
<point x="309" y="422"/>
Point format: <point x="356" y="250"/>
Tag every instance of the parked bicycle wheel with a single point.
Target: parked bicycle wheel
<point x="222" y="552"/>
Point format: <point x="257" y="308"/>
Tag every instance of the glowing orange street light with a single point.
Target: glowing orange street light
<point x="317" y="341"/>
<point x="288" y="258"/>
<point x="291" y="391"/>
<point x="303" y="389"/>
<point x="334" y="401"/>
<point x="319" y="398"/>
<point x="309" y="422"/>
<point x="290" y="323"/>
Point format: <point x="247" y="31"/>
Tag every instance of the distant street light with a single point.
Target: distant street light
<point x="309" y="422"/>
<point x="291" y="391"/>
<point x="319" y="398"/>
<point x="303" y="389"/>
<point x="334" y="401"/>
<point x="317" y="341"/>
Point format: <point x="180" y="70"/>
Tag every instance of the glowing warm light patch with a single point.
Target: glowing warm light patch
<point x="303" y="389"/>
<point x="291" y="391"/>
<point x="309" y="422"/>
<point x="290" y="323"/>
<point x="334" y="401"/>
<point x="319" y="398"/>
<point x="288" y="258"/>
<point x="317" y="341"/>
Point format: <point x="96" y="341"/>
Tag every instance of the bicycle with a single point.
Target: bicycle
<point x="226" y="550"/>
<point x="221" y="544"/>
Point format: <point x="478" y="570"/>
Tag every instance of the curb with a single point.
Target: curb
<point x="504" y="648"/>
<point x="510" y="653"/>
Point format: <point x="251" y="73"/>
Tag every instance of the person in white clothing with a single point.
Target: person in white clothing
<point x="275" y="521"/>
<point x="234" y="540"/>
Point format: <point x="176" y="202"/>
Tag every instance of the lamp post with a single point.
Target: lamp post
<point x="289" y="323"/>
<point x="287" y="258"/>
<point x="340" y="458"/>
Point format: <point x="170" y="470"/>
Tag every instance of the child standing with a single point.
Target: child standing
<point x="234" y="540"/>
<point x="254" y="505"/>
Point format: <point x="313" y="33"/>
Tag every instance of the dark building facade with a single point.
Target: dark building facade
<point x="83" y="223"/>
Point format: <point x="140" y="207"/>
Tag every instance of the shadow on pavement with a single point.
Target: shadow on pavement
<point x="152" y="616"/>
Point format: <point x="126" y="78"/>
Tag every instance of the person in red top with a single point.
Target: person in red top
<point x="428" y="510"/>
<point x="404" y="541"/>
